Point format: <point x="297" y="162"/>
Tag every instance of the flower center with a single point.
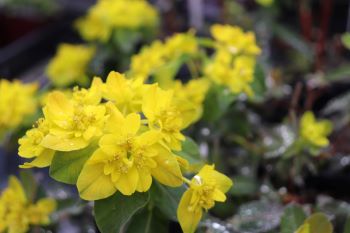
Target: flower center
<point x="81" y="120"/>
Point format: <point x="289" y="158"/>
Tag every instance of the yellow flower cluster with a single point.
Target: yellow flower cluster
<point x="69" y="64"/>
<point x="234" y="61"/>
<point x="153" y="57"/>
<point x="109" y="15"/>
<point x="30" y="146"/>
<point x="137" y="128"/>
<point x="17" y="101"/>
<point x="17" y="213"/>
<point x="205" y="188"/>
<point x="315" y="132"/>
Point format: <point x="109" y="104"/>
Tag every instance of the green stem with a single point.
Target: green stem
<point x="206" y="42"/>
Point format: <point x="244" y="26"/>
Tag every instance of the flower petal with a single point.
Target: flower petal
<point x="168" y="170"/>
<point x="93" y="184"/>
<point x="63" y="144"/>
<point x="43" y="160"/>
<point x="145" y="181"/>
<point x="188" y="218"/>
<point x="222" y="182"/>
<point x="127" y="183"/>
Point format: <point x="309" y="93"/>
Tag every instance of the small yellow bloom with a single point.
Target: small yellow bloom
<point x="126" y="160"/>
<point x="158" y="55"/>
<point x="69" y="64"/>
<point x="315" y="132"/>
<point x="109" y="15"/>
<point x="126" y="94"/>
<point x="234" y="40"/>
<point x="237" y="74"/>
<point x="148" y="60"/>
<point x="91" y="96"/>
<point x="180" y="44"/>
<point x="39" y="212"/>
<point x="72" y="125"/>
<point x="44" y="96"/>
<point x="17" y="213"/>
<point x="205" y="188"/>
<point x="16" y="102"/>
<point x="30" y="146"/>
<point x="163" y="115"/>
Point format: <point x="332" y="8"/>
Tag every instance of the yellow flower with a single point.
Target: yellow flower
<point x="17" y="101"/>
<point x="91" y="96"/>
<point x="234" y="40"/>
<point x="180" y="44"/>
<point x="163" y="115"/>
<point x="44" y="96"/>
<point x="205" y="188"/>
<point x="30" y="146"/>
<point x="148" y="60"/>
<point x="39" y="212"/>
<point x="237" y="74"/>
<point x="154" y="57"/>
<point x="69" y="64"/>
<point x="315" y="132"/>
<point x="109" y="15"/>
<point x="126" y="94"/>
<point x="126" y="160"/>
<point x="72" y="125"/>
<point x="189" y="98"/>
<point x="17" y="213"/>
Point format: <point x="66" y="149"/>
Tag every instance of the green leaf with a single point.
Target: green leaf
<point x="165" y="74"/>
<point x="259" y="84"/>
<point x="190" y="152"/>
<point x="113" y="213"/>
<point x="319" y="223"/>
<point x="166" y="199"/>
<point x="29" y="184"/>
<point x="345" y="38"/>
<point x="293" y="217"/>
<point x="244" y="186"/>
<point x="340" y="73"/>
<point x="347" y="225"/>
<point x="294" y="40"/>
<point x="126" y="40"/>
<point x="66" y="166"/>
<point x="148" y="221"/>
<point x="217" y="102"/>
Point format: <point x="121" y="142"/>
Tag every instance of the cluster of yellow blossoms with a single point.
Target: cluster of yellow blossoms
<point x="69" y="65"/>
<point x="161" y="55"/>
<point x="205" y="188"/>
<point x="17" y="213"/>
<point x="17" y="101"/>
<point x="234" y="60"/>
<point x="135" y="130"/>
<point x="232" y="64"/>
<point x="109" y="15"/>
<point x="313" y="132"/>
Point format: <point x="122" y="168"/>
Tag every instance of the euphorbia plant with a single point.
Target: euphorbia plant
<point x="20" y="209"/>
<point x="118" y="140"/>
